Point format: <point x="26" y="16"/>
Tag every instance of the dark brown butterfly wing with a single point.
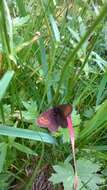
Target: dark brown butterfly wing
<point x="55" y="117"/>
<point x="65" y="108"/>
<point x="59" y="117"/>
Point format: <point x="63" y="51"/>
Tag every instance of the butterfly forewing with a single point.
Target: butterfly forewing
<point x="47" y="120"/>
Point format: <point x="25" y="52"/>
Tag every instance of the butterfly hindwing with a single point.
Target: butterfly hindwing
<point x="59" y="117"/>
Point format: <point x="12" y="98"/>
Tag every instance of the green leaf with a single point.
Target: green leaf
<point x="76" y="118"/>
<point x="74" y="34"/>
<point x="8" y="23"/>
<point x="100" y="62"/>
<point x="87" y="174"/>
<point x="64" y="173"/>
<point x="24" y="149"/>
<point x="84" y="171"/>
<point x="101" y="89"/>
<point x="31" y="112"/>
<point x="105" y="172"/>
<point x="89" y="112"/>
<point x="96" y="123"/>
<point x="7" y="114"/>
<point x="65" y="134"/>
<point x="21" y="7"/>
<point x="100" y="147"/>
<point x="28" y="134"/>
<point x="20" y="21"/>
<point x="4" y="179"/>
<point x="4" y="82"/>
<point x="55" y="28"/>
<point x="3" y="151"/>
<point x="31" y="105"/>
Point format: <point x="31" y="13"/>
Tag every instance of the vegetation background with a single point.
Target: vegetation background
<point x="53" y="52"/>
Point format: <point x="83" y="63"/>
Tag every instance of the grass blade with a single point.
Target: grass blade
<point x="55" y="28"/>
<point x="27" y="134"/>
<point x="101" y="89"/>
<point x="23" y="148"/>
<point x="95" y="124"/>
<point x="3" y="150"/>
<point x="72" y="54"/>
<point x="4" y="82"/>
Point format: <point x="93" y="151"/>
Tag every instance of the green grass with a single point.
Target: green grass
<point x="52" y="52"/>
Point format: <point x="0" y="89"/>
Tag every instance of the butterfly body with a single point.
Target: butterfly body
<point x="55" y="118"/>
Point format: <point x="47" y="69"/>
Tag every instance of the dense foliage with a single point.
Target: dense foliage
<point x="53" y="52"/>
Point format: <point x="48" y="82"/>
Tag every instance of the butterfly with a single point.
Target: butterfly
<point x="55" y="117"/>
